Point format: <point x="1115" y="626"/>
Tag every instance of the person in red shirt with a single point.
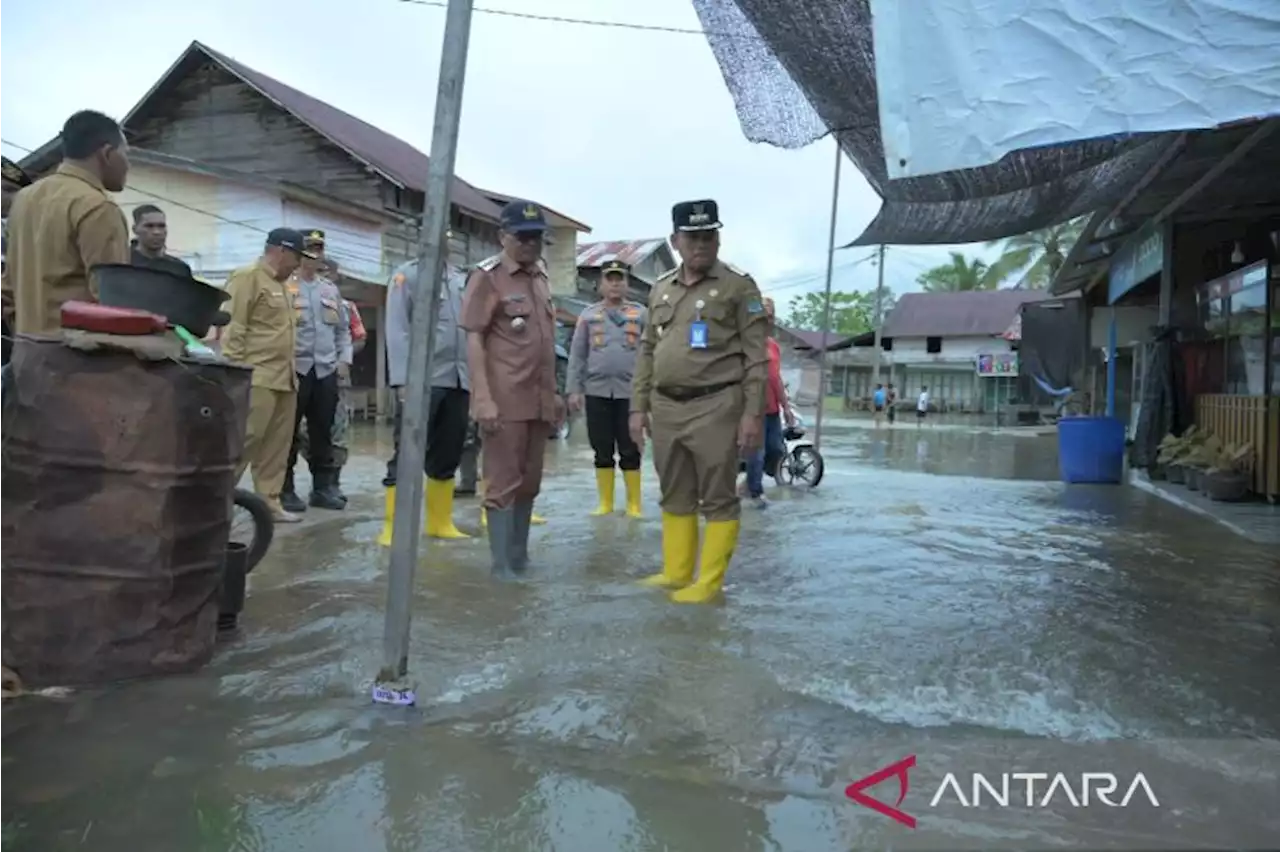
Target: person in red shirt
<point x="777" y="408"/>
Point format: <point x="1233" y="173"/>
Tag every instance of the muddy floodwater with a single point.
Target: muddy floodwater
<point x="939" y="585"/>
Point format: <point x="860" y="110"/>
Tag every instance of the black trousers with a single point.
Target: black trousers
<point x="318" y="402"/>
<point x="446" y="433"/>
<point x="608" y="433"/>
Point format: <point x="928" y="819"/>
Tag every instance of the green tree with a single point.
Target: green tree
<point x="962" y="274"/>
<point x="852" y="311"/>
<point x="1037" y="254"/>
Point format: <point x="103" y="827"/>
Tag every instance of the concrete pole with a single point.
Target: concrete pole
<point x="432" y="253"/>
<point x="879" y="318"/>
<point x="826" y="317"/>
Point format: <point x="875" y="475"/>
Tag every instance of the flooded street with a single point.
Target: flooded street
<point x="939" y="585"/>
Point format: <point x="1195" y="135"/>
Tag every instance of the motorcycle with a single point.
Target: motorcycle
<point x="801" y="464"/>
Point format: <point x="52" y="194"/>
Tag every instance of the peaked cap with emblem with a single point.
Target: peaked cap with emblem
<point x="14" y="174"/>
<point x="314" y="237"/>
<point x="616" y="267"/>
<point x="701" y="215"/>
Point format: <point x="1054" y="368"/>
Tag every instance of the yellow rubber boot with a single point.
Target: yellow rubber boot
<point x="679" y="552"/>
<point x="438" y="510"/>
<point x="388" y="517"/>
<point x="719" y="540"/>
<point x="604" y="486"/>
<point x="631" y="478"/>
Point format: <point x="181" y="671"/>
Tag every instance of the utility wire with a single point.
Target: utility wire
<point x="586" y="22"/>
<point x="338" y="255"/>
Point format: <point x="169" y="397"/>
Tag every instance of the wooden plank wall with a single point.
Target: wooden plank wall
<point x="1246" y="420"/>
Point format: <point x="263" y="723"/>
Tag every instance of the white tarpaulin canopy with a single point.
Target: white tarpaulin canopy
<point x="963" y="83"/>
<point x="800" y="69"/>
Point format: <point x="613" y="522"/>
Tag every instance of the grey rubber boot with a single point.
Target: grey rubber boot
<point x="501" y="536"/>
<point x="467" y="472"/>
<point x="520" y="538"/>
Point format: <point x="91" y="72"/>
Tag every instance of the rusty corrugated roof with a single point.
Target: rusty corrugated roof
<point x="971" y="313"/>
<point x="630" y="252"/>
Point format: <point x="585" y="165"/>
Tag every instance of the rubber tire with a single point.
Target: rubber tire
<point x="819" y="466"/>
<point x="264" y="526"/>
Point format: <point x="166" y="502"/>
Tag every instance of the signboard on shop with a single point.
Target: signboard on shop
<point x="1138" y="259"/>
<point x="999" y="364"/>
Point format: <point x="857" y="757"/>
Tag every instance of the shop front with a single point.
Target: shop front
<point x="1232" y="368"/>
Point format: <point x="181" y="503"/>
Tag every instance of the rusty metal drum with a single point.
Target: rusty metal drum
<point x="118" y="476"/>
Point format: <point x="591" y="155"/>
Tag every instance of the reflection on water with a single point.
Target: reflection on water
<point x="935" y="585"/>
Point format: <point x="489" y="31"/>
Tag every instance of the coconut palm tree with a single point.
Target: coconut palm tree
<point x="1039" y="254"/>
<point x="961" y="274"/>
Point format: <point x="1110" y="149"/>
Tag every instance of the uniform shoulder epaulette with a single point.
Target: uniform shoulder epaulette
<point x="670" y="273"/>
<point x="489" y="263"/>
<point x="735" y="270"/>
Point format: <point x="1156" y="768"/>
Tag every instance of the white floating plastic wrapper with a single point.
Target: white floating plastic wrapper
<point x="961" y="83"/>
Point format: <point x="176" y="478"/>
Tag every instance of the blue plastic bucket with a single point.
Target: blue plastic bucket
<point x="1091" y="449"/>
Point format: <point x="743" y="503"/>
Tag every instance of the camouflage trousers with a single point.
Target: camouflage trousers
<point x="341" y="426"/>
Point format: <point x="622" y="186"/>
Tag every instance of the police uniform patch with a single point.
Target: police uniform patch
<point x="755" y="306"/>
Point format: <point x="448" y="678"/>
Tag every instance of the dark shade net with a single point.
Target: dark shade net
<point x="117" y="487"/>
<point x="1050" y="348"/>
<point x="799" y="69"/>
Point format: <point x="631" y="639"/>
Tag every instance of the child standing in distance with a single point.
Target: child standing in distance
<point x="922" y="406"/>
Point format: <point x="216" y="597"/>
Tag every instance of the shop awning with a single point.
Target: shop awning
<point x="800" y="69"/>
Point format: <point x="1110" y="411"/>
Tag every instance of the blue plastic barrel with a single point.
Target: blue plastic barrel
<point x="1091" y="449"/>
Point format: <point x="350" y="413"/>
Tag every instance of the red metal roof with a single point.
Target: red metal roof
<point x="628" y="251"/>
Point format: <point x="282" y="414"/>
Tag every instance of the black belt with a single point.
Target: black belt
<point x="687" y="394"/>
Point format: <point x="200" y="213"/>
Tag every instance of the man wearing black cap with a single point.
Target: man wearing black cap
<point x="699" y="379"/>
<point x="322" y="357"/>
<point x="261" y="333"/>
<point x="510" y="324"/>
<point x="602" y="359"/>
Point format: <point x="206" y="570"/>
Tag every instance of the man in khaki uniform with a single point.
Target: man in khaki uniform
<point x="63" y="225"/>
<point x="261" y="334"/>
<point x="700" y="381"/>
<point x="510" y="324"/>
<point x="602" y="360"/>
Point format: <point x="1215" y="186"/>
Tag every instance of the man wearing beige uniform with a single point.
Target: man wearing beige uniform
<point x="262" y="334"/>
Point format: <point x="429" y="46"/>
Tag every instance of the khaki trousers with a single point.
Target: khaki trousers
<point x="512" y="461"/>
<point x="269" y="435"/>
<point x="695" y="451"/>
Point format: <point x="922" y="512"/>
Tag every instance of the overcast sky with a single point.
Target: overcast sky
<point x="609" y="126"/>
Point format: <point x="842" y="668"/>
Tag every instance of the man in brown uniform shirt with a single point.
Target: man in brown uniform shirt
<point x="261" y="334"/>
<point x="699" y="379"/>
<point x="65" y="224"/>
<point x="510" y="324"/>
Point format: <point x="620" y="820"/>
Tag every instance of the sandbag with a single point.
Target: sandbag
<point x="117" y="484"/>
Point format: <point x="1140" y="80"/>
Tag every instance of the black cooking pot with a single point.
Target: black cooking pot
<point x="184" y="301"/>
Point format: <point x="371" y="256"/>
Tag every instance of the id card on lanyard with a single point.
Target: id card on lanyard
<point x="698" y="328"/>
<point x="698" y="335"/>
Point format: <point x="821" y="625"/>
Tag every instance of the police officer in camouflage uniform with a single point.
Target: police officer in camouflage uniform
<point x="449" y="398"/>
<point x="342" y="417"/>
<point x="602" y="358"/>
<point x="322" y="355"/>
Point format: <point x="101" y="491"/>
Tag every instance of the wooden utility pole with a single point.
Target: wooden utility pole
<point x="432" y="254"/>
<point x="879" y="318"/>
<point x="826" y="316"/>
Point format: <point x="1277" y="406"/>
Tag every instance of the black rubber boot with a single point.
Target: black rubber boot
<point x="337" y="487"/>
<point x="520" y="536"/>
<point x="231" y="589"/>
<point x="289" y="498"/>
<point x="324" y="494"/>
<point x="501" y="535"/>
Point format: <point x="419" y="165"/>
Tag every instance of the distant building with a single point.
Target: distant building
<point x="937" y="340"/>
